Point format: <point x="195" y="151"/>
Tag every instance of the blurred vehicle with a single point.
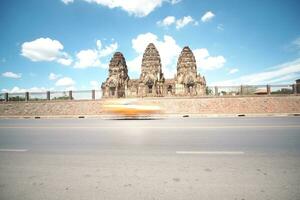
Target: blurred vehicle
<point x="130" y="108"/>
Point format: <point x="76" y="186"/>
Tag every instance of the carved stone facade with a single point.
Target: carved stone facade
<point x="187" y="80"/>
<point x="152" y="82"/>
<point x="117" y="81"/>
<point x="151" y="79"/>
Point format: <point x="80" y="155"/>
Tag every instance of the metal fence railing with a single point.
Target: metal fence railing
<point x="229" y="90"/>
<point x="37" y="96"/>
<point x="82" y="95"/>
<point x="282" y="89"/>
<point x="242" y="90"/>
<point x="2" y="97"/>
<point x="59" y="95"/>
<point x="254" y="89"/>
<point x="52" y="95"/>
<point x="15" y="96"/>
<point x="210" y="91"/>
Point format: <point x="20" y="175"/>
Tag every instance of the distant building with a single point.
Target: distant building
<point x="152" y="82"/>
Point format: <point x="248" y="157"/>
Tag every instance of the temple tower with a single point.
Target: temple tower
<point x="151" y="78"/>
<point x="116" y="83"/>
<point x="187" y="81"/>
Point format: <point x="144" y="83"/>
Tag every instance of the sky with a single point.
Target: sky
<point x="67" y="44"/>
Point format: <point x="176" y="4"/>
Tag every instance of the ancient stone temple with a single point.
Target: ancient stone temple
<point x="187" y="80"/>
<point x="115" y="84"/>
<point x="151" y="79"/>
<point x="152" y="82"/>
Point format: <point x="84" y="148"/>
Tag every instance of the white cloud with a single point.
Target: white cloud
<point x="220" y="27"/>
<point x="67" y="1"/>
<point x="233" y="71"/>
<point x="207" y="62"/>
<point x="201" y="53"/>
<point x="168" y="49"/>
<point x="96" y="85"/>
<point x="207" y="16"/>
<point x="167" y="21"/>
<point x="65" y="60"/>
<point x="11" y="75"/>
<point x="285" y="73"/>
<point x="16" y="89"/>
<point x="139" y="8"/>
<point x="293" y="45"/>
<point x="91" y="57"/>
<point x="73" y="88"/>
<point x="297" y="42"/>
<point x="99" y="44"/>
<point x="175" y="1"/>
<point x="108" y="50"/>
<point x="45" y="49"/>
<point x="286" y="79"/>
<point x="140" y="43"/>
<point x="134" y="65"/>
<point x="169" y="52"/>
<point x="65" y="82"/>
<point x="211" y="62"/>
<point x="180" y="23"/>
<point x="87" y="58"/>
<point x="53" y="76"/>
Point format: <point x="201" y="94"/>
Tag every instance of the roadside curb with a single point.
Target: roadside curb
<point x="162" y="116"/>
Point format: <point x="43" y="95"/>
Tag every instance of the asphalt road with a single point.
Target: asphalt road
<point x="188" y="158"/>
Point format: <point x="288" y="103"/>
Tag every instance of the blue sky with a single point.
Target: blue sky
<point x="67" y="44"/>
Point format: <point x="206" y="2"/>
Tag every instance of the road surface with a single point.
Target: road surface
<point x="187" y="158"/>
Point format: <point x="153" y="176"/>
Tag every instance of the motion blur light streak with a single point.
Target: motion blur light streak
<point x="130" y="108"/>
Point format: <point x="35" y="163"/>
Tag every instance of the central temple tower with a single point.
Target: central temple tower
<point x="151" y="78"/>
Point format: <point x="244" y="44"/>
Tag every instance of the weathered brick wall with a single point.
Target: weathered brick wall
<point x="210" y="105"/>
<point x="234" y="105"/>
<point x="48" y="108"/>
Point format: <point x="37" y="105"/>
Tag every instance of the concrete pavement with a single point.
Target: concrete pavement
<point x="198" y="158"/>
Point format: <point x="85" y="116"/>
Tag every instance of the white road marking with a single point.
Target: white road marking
<point x="212" y="152"/>
<point x="13" y="150"/>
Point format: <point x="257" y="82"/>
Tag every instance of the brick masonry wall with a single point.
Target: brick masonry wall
<point x="206" y="105"/>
